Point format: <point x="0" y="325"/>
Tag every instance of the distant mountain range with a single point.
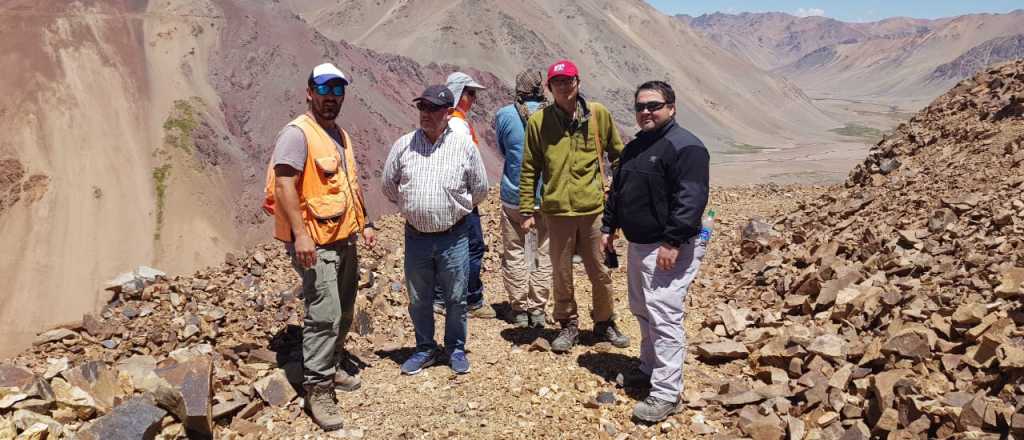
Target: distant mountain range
<point x="902" y="59"/>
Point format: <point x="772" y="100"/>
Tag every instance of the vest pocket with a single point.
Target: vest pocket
<point x="328" y="206"/>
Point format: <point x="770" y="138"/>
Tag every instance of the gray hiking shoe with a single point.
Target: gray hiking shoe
<point x="322" y="406"/>
<point x="520" y="320"/>
<point x="607" y="331"/>
<point x="654" y="410"/>
<point x="567" y="337"/>
<point x="537" y="319"/>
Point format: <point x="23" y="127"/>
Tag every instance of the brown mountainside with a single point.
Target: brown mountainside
<point x="889" y="61"/>
<point x="138" y="133"/>
<point x="617" y="45"/>
<point x="775" y="39"/>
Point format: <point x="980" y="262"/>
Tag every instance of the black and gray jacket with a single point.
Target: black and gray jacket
<point x="660" y="188"/>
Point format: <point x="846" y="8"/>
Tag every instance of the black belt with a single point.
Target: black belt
<point x="418" y="232"/>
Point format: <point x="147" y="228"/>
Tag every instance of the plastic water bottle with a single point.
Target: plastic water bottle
<point x="706" y="225"/>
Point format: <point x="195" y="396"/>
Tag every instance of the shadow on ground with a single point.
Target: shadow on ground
<point x="609" y="366"/>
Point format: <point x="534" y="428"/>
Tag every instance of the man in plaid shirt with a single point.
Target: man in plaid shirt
<point x="436" y="177"/>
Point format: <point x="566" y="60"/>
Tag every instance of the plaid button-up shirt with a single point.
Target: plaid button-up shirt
<point x="434" y="184"/>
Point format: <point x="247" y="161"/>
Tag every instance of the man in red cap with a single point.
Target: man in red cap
<point x="566" y="145"/>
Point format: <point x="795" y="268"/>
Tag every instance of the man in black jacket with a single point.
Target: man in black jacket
<point x="658" y="198"/>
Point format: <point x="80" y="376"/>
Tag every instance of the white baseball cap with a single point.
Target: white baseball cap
<point x="326" y="72"/>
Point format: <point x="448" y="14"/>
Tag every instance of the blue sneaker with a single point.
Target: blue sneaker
<point x="459" y="362"/>
<point x="418" y="361"/>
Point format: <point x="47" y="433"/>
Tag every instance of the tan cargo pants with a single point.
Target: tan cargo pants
<point x="580" y="235"/>
<point x="527" y="290"/>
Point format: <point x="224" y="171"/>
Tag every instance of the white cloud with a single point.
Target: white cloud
<point x="809" y="12"/>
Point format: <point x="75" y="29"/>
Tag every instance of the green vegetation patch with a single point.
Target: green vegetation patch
<point x="735" y="148"/>
<point x="180" y="124"/>
<point x="859" y="131"/>
<point x="160" y="176"/>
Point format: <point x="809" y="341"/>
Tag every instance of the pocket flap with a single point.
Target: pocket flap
<point x="327" y="165"/>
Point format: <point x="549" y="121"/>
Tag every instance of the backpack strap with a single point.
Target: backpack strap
<point x="596" y="133"/>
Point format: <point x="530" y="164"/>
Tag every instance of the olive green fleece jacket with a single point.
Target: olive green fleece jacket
<point x="563" y="154"/>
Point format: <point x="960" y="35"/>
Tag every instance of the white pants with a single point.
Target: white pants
<point x="658" y="300"/>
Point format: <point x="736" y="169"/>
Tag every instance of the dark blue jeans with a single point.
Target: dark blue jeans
<point x="431" y="261"/>
<point x="474" y="287"/>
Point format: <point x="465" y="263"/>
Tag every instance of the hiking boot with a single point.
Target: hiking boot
<point x="418" y="361"/>
<point x="567" y="337"/>
<point x="459" y="362"/>
<point x="654" y="410"/>
<point x="607" y="331"/>
<point x="537" y="319"/>
<point x="346" y="382"/>
<point x="439" y="309"/>
<point x="343" y="380"/>
<point x="482" y="311"/>
<point x="322" y="406"/>
<point x="520" y="320"/>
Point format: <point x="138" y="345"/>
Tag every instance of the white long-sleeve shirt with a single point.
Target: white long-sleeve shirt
<point x="434" y="184"/>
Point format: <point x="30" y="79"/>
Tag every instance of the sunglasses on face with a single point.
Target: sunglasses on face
<point x="428" y="107"/>
<point x="324" y="90"/>
<point x="650" y="106"/>
<point x="470" y="93"/>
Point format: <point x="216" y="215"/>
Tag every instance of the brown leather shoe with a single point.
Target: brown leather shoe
<point x="483" y="312"/>
<point x="322" y="406"/>
<point x="346" y="382"/>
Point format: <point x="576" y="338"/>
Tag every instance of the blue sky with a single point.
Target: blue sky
<point x="864" y="10"/>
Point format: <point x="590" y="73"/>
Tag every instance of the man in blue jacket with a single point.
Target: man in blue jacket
<point x="527" y="290"/>
<point x="658" y="198"/>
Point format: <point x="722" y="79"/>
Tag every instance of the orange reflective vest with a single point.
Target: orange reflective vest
<point x="330" y="199"/>
<point x="459" y="114"/>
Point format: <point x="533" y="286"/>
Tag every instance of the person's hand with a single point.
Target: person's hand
<point x="305" y="250"/>
<point x="608" y="241"/>
<point x="528" y="223"/>
<point x="369" y="236"/>
<point x="667" y="257"/>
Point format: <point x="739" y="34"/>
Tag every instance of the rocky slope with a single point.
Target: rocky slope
<point x="891" y="308"/>
<point x="885" y="308"/>
<point x="215" y="351"/>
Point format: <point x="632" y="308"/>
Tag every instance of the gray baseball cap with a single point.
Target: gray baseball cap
<point x="438" y="95"/>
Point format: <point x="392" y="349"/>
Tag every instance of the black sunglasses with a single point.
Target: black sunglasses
<point x="651" y="106"/>
<point x="324" y="90"/>
<point x="424" y="106"/>
<point x="469" y="92"/>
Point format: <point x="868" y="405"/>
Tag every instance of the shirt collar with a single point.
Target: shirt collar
<point x="659" y="133"/>
<point x="440" y="139"/>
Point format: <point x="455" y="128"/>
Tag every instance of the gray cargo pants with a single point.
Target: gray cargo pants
<point x="329" y="289"/>
<point x="658" y="300"/>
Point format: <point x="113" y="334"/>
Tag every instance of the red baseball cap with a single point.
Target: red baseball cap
<point x="562" y="68"/>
